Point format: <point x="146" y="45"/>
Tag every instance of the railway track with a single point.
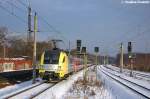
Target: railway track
<point x="135" y="74"/>
<point x="31" y="92"/>
<point x="142" y="75"/>
<point x="139" y="89"/>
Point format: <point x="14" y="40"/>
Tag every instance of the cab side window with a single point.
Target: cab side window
<point x="63" y="59"/>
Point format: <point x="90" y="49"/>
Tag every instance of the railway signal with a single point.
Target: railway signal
<point x="78" y="46"/>
<point x="130" y="49"/>
<point x="129" y="46"/>
<point x="78" y="43"/>
<point x="78" y="49"/>
<point x="130" y="57"/>
<point x="121" y="57"/>
<point x="83" y="51"/>
<point x="96" y="49"/>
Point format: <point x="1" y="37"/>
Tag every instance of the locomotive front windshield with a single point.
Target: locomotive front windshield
<point x="51" y="57"/>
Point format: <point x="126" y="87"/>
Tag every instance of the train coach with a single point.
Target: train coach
<point x="56" y="64"/>
<point x="15" y="66"/>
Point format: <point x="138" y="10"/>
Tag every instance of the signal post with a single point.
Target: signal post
<point x="82" y="52"/>
<point x="130" y="58"/>
<point x="121" y="57"/>
<point x="96" y="49"/>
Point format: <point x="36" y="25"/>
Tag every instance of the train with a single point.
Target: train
<point x="57" y="64"/>
<point x="10" y="67"/>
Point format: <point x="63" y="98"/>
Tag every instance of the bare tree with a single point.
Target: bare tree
<point x="17" y="46"/>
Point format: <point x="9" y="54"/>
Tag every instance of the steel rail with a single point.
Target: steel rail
<point x="146" y="96"/>
<point x="24" y="90"/>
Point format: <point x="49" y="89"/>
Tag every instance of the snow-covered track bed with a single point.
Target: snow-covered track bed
<point x="139" y="89"/>
<point x="30" y="92"/>
<point x="136" y="74"/>
<point x="140" y="75"/>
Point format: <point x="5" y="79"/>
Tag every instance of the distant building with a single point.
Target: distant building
<point x="141" y="61"/>
<point x="15" y="64"/>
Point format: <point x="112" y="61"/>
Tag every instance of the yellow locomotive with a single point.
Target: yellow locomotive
<point x="54" y="64"/>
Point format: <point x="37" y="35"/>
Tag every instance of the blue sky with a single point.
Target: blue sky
<point x="103" y="23"/>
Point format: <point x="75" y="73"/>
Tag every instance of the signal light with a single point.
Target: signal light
<point x="83" y="50"/>
<point x="96" y="49"/>
<point x="78" y="49"/>
<point x="78" y="43"/>
<point x="129" y="47"/>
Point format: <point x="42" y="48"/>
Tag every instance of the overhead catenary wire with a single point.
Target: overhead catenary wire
<point x="50" y="29"/>
<point x="21" y="10"/>
<point x="18" y="8"/>
<point x="134" y="37"/>
<point x="13" y="14"/>
<point x="18" y="17"/>
<point x="47" y="23"/>
<point x="22" y="3"/>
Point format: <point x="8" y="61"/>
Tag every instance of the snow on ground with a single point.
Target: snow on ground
<point x="32" y="92"/>
<point x="118" y="68"/>
<point x="88" y="89"/>
<point x="117" y="90"/>
<point x="128" y="83"/>
<point x="13" y="88"/>
<point x="136" y="74"/>
<point x="60" y="89"/>
<point x="141" y="82"/>
<point x="110" y="89"/>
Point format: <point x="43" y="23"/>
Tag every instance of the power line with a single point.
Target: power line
<point x="22" y="3"/>
<point x="18" y="8"/>
<point x="21" y="10"/>
<point x="49" y="25"/>
<point x="50" y="29"/>
<point x="129" y="39"/>
<point x="19" y="18"/>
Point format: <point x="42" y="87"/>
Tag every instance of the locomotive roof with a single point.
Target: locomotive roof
<point x="55" y="50"/>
